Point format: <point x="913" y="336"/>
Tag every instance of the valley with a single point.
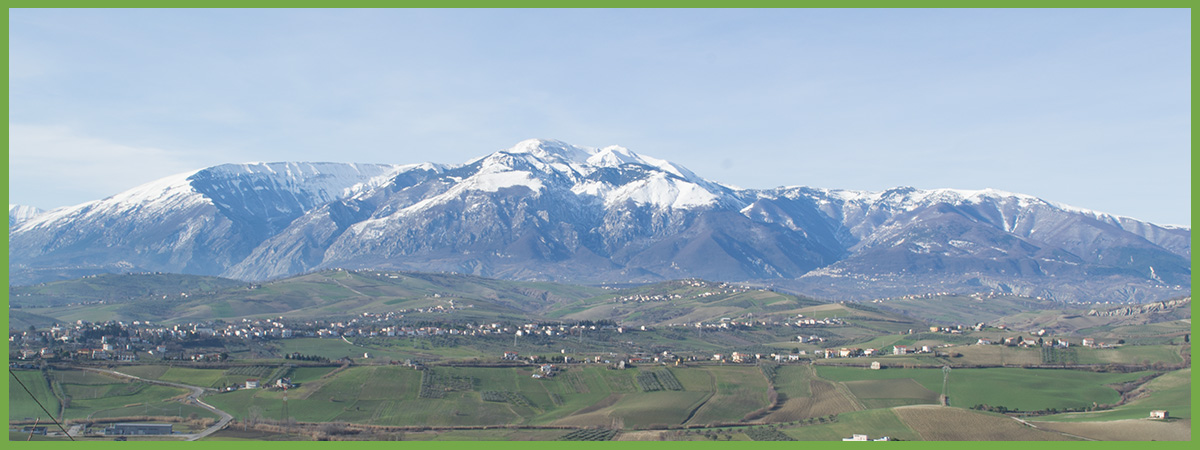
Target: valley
<point x="385" y="355"/>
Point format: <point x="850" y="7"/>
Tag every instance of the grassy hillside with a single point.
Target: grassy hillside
<point x="116" y="288"/>
<point x="178" y="298"/>
<point x="76" y="394"/>
<point x="458" y="396"/>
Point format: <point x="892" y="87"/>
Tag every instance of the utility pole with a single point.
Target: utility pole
<point x="945" y="381"/>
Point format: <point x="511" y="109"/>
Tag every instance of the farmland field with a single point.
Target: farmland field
<point x="995" y="354"/>
<point x="1126" y="430"/>
<point x="592" y="396"/>
<point x="1171" y="392"/>
<point x="1131" y="354"/>
<point x="21" y="406"/>
<point x="739" y="390"/>
<point x="93" y="395"/>
<point x="1024" y="389"/>
<point x="939" y="423"/>
<point x="889" y="393"/>
<point x="877" y="422"/>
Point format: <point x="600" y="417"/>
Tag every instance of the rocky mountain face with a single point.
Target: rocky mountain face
<point x="546" y="210"/>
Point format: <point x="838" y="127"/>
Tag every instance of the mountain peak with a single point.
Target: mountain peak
<point x="552" y="149"/>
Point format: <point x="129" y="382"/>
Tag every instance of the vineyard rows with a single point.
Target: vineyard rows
<point x="659" y="380"/>
<point x="505" y="396"/>
<point x="250" y="371"/>
<point x="589" y="435"/>
<point x="769" y="370"/>
<point x="767" y="434"/>
<point x="648" y="382"/>
<point x="435" y="385"/>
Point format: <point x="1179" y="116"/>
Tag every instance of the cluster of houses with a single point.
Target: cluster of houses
<point x="255" y="383"/>
<point x="545" y="370"/>
<point x="127" y="341"/>
<point x="802" y="321"/>
<point x="742" y="357"/>
<point x="643" y="298"/>
<point x="714" y="289"/>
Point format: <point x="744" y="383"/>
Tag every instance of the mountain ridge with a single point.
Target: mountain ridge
<point x="547" y="210"/>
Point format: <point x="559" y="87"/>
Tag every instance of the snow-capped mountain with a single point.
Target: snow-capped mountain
<point x="199" y="222"/>
<point x="553" y="211"/>
<point x="21" y="213"/>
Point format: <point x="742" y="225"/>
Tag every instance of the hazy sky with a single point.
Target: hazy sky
<point x="1085" y="107"/>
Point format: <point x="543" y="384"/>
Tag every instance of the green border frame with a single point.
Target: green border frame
<point x="626" y="445"/>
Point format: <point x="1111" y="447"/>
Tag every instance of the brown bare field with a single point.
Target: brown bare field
<point x="941" y="423"/>
<point x="1126" y="430"/>
<point x="825" y="400"/>
<point x="889" y="393"/>
<point x="639" y="436"/>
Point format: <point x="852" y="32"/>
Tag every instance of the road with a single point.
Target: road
<point x="194" y="398"/>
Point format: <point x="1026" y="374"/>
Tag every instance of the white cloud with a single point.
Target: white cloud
<point x="50" y="163"/>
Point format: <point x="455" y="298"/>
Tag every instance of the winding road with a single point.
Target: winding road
<point x="193" y="398"/>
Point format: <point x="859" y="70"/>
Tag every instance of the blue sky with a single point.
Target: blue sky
<point x="1085" y="107"/>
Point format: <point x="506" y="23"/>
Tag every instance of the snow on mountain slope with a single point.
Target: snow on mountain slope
<point x="548" y="210"/>
<point x="197" y="222"/>
<point x="605" y="173"/>
<point x="21" y="213"/>
<point x="232" y="186"/>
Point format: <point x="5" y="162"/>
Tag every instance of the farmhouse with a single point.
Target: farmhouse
<point x="1089" y="342"/>
<point x="1159" y="414"/>
<point x="252" y="384"/>
<point x="900" y="350"/>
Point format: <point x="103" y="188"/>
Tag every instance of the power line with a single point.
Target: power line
<point x="35" y="400"/>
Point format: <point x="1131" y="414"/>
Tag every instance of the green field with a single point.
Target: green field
<point x="380" y="349"/>
<point x="739" y="390"/>
<point x="21" y="406"/>
<point x="876" y="422"/>
<point x="1171" y="392"/>
<point x="1131" y="354"/>
<point x="94" y="395"/>
<point x="1024" y="389"/>
<point x="585" y="396"/>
